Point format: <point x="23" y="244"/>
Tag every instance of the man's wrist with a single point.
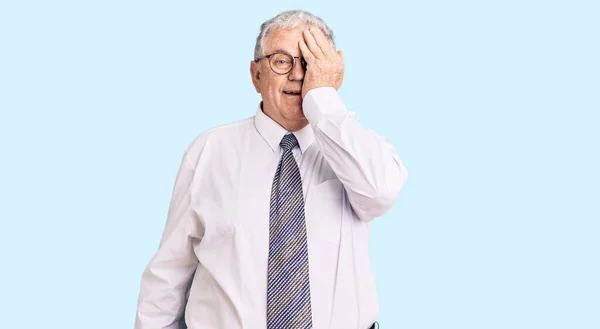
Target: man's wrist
<point x="321" y="101"/>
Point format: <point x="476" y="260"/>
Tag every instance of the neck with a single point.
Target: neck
<point x="293" y="125"/>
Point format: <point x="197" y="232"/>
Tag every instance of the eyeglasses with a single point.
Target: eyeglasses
<point x="282" y="63"/>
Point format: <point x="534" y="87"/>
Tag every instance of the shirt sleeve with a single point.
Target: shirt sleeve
<point x="166" y="279"/>
<point x="366" y="164"/>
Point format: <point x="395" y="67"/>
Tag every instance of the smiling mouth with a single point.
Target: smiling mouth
<point x="292" y="93"/>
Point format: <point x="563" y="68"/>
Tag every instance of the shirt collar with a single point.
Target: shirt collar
<point x="272" y="132"/>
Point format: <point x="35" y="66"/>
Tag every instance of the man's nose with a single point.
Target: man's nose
<point x="297" y="72"/>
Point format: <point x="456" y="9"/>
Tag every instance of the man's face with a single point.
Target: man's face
<point x="283" y="108"/>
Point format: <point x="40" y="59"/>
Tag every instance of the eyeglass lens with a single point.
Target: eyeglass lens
<point x="282" y="63"/>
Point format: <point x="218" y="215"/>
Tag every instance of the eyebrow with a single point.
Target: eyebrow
<point x="287" y="52"/>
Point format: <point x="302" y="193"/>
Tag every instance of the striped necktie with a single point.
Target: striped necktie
<point x="288" y="289"/>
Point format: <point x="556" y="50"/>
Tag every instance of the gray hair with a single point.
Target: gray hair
<point x="290" y="19"/>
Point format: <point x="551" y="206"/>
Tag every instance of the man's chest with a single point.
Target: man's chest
<point x="232" y="198"/>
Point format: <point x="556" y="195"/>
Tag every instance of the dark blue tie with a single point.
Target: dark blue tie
<point x="288" y="289"/>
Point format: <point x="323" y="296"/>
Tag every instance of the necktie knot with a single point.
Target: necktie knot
<point x="288" y="142"/>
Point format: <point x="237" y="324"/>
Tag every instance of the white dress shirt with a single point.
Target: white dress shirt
<point x="211" y="265"/>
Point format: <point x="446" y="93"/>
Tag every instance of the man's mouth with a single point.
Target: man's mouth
<point x="292" y="93"/>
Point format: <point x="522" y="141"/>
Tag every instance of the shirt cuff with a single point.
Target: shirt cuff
<point x="320" y="102"/>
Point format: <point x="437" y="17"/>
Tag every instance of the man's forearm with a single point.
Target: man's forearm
<point x="366" y="164"/>
<point x="166" y="279"/>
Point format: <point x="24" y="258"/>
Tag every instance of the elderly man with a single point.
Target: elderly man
<point x="269" y="221"/>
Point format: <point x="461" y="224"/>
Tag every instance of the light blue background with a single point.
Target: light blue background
<point x="492" y="105"/>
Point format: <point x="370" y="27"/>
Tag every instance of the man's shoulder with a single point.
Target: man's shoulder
<point x="227" y="133"/>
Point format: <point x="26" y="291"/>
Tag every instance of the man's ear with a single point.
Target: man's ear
<point x="255" y="73"/>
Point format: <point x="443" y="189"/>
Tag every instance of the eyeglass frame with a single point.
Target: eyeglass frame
<point x="302" y="62"/>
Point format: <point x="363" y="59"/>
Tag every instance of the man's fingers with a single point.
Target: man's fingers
<point x="306" y="53"/>
<point x="322" y="41"/>
<point x="312" y="44"/>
